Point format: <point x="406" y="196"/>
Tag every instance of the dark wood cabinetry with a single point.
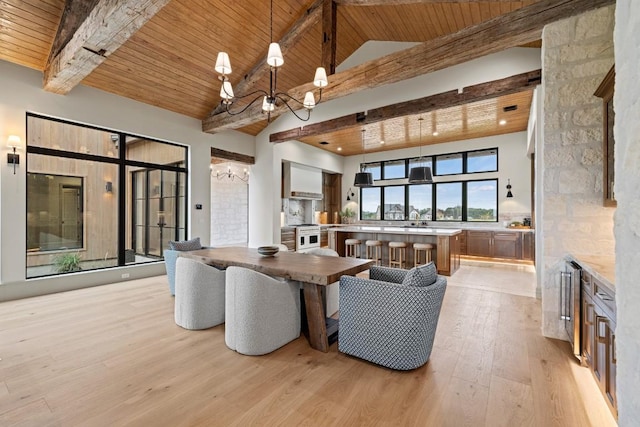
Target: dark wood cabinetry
<point x="598" y="327"/>
<point x="331" y="195"/>
<point x="479" y="243"/>
<point x="506" y="245"/>
<point x="605" y="91"/>
<point x="324" y="237"/>
<point x="498" y="244"/>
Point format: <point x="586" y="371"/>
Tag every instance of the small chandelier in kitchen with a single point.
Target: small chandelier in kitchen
<point x="269" y="98"/>
<point x="420" y="174"/>
<point x="363" y="178"/>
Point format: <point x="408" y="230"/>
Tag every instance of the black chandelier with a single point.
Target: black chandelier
<point x="420" y="174"/>
<point x="269" y="98"/>
<point x="363" y="178"/>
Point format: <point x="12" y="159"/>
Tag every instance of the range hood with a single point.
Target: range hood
<point x="302" y="182"/>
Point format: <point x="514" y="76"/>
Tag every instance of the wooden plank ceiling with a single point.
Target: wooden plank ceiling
<point x="169" y="62"/>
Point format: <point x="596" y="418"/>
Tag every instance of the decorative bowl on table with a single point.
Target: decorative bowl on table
<point x="268" y="250"/>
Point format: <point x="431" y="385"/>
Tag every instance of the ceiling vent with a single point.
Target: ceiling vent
<point x="510" y="108"/>
<point x="324" y="143"/>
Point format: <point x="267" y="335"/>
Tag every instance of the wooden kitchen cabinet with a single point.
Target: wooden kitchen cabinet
<point x="528" y="246"/>
<point x="324" y="237"/>
<point x="479" y="243"/>
<point x="288" y="237"/>
<point x="496" y="244"/>
<point x="463" y="242"/>
<point x="506" y="245"/>
<point x="598" y="325"/>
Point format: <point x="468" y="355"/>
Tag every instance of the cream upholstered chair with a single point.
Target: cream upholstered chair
<point x="200" y="291"/>
<point x="332" y="291"/>
<point x="262" y="312"/>
<point x="171" y="255"/>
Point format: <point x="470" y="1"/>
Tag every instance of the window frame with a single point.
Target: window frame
<point x="122" y="163"/>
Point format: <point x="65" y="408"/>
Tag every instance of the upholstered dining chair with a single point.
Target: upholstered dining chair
<point x="332" y="291"/>
<point x="171" y="255"/>
<point x="262" y="312"/>
<point x="200" y="291"/>
<point x="390" y="319"/>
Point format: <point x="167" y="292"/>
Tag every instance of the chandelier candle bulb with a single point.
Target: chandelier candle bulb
<point x="223" y="64"/>
<point x="309" y="101"/>
<point x="274" y="57"/>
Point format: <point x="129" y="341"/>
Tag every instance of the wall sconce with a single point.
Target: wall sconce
<point x="13" y="158"/>
<point x="509" y="194"/>
<point x="109" y="187"/>
<point x="350" y="195"/>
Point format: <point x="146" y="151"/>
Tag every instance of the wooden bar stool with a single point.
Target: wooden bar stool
<point x="397" y="254"/>
<point x="374" y="250"/>
<point x="352" y="248"/>
<point x="418" y="249"/>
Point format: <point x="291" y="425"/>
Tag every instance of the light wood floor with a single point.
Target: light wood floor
<point x="112" y="356"/>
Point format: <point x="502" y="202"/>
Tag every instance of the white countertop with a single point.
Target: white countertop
<point x="425" y="231"/>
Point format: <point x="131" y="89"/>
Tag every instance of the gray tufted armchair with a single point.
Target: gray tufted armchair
<point x="390" y="319"/>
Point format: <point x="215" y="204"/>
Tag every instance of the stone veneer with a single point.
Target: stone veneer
<point x="229" y="212"/>
<point x="627" y="217"/>
<point x="577" y="54"/>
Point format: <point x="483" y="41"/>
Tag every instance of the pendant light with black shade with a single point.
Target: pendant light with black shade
<point x="509" y="193"/>
<point x="420" y="174"/>
<point x="363" y="178"/>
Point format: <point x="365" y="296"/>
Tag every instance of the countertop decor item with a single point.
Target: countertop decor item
<point x="268" y="250"/>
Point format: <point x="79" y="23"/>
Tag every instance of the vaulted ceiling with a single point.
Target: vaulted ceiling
<point x="162" y="52"/>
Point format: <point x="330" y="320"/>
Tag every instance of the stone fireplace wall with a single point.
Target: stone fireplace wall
<point x="577" y="54"/>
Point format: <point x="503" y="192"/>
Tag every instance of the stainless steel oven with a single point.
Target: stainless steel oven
<point x="570" y="303"/>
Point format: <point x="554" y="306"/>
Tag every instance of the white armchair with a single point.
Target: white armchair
<point x="262" y="313"/>
<point x="200" y="291"/>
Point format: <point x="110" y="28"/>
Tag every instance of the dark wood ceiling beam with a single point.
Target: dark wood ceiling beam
<point x="329" y="27"/>
<point x="515" y="28"/>
<point x="106" y="27"/>
<point x="310" y="17"/>
<point x="452" y="98"/>
<point x="231" y="156"/>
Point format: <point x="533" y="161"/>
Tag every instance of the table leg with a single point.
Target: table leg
<point x="315" y="316"/>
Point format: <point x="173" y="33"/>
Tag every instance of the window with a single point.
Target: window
<point x="375" y="169"/>
<point x="482" y="200"/>
<point x="394" y="202"/>
<point x="420" y="202"/>
<point x="448" y="164"/>
<point x="76" y="175"/>
<point x="54" y="212"/>
<point x="482" y="161"/>
<point x="370" y="206"/>
<point x="394" y="169"/>
<point x="449" y="201"/>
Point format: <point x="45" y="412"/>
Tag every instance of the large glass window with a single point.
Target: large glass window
<point x="55" y="212"/>
<point x="394" y="169"/>
<point x="375" y="169"/>
<point x="449" y="201"/>
<point x="449" y="164"/>
<point x="482" y="161"/>
<point x="420" y="202"/>
<point x="394" y="202"/>
<point x="482" y="200"/>
<point x="99" y="198"/>
<point x="370" y="203"/>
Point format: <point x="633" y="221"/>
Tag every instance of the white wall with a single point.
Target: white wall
<point x="20" y="92"/>
<point x="513" y="164"/>
<point x="627" y="216"/>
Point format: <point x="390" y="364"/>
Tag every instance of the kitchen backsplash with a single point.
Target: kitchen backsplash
<point x="297" y="211"/>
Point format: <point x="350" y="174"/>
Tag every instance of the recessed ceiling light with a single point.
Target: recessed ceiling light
<point x="381" y="142"/>
<point x="502" y="122"/>
<point x="436" y="134"/>
<point x="339" y="148"/>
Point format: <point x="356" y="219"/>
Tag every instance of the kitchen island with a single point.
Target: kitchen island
<point x="447" y="242"/>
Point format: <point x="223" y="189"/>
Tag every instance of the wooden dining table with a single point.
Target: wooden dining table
<point x="312" y="271"/>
